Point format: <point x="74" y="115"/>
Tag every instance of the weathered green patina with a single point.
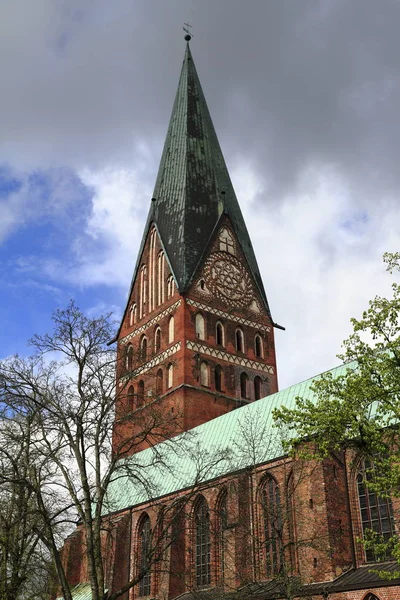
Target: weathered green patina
<point x="193" y="187"/>
<point x="241" y="438"/>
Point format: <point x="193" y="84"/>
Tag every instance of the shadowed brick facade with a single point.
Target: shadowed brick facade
<point x="196" y="342"/>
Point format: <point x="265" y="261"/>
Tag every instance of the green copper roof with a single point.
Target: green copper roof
<point x="82" y="591"/>
<point x="239" y="439"/>
<point x="193" y="187"/>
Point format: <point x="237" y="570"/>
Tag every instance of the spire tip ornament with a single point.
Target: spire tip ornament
<point x="188" y="35"/>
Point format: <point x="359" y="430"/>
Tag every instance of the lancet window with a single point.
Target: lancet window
<point x="144" y="537"/>
<point x="202" y="543"/>
<point x="376" y="512"/>
<point x="239" y="340"/>
<point x="170" y="373"/>
<point x="219" y="334"/>
<point x="130" y="398"/>
<point x="140" y="398"/>
<point x="257" y="388"/>
<point x="222" y="516"/>
<point x="272" y="520"/>
<point x="244" y="385"/>
<point x="143" y="291"/>
<point x="157" y="339"/>
<point x="200" y="326"/>
<point x="159" y="382"/>
<point x="171" y="330"/>
<point x="170" y="286"/>
<point x="132" y="314"/>
<point x="258" y="346"/>
<point x="129" y="358"/>
<point x="204" y="374"/>
<point x="218" y="378"/>
<point x="161" y="277"/>
<point x="152" y="270"/>
<point x="143" y="348"/>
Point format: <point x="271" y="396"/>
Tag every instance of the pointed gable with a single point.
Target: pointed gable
<point x="193" y="188"/>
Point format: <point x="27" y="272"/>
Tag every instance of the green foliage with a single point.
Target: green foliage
<point x="360" y="409"/>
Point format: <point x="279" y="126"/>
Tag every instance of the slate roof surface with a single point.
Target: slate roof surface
<point x="247" y="435"/>
<point x="193" y="188"/>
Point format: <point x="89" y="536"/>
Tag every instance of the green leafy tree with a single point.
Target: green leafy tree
<point x="360" y="409"/>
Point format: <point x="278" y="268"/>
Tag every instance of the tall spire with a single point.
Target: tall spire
<point x="193" y="188"/>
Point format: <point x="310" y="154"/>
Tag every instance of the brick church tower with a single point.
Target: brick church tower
<point x="196" y="339"/>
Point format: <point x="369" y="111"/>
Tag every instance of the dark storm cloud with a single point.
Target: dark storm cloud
<point x="290" y="84"/>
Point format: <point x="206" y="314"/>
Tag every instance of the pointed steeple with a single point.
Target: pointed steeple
<point x="193" y="188"/>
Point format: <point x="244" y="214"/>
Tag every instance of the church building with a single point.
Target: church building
<point x="224" y="512"/>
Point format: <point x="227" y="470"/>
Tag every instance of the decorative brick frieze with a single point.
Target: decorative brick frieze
<point x="226" y="315"/>
<point x="156" y="360"/>
<point x="236" y="360"/>
<point x="151" y="322"/>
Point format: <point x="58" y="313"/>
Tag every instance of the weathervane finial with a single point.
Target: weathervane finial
<point x="188" y="35"/>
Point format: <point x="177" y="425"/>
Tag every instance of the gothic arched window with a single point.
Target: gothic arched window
<point x="157" y="339"/>
<point x="272" y="520"/>
<point x="144" y="538"/>
<point x="159" y="382"/>
<point x="152" y="269"/>
<point x="200" y="326"/>
<point x="239" y="339"/>
<point x="143" y="291"/>
<point x="130" y="398"/>
<point x="129" y="358"/>
<point x="291" y="521"/>
<point x="140" y="398"/>
<point x="170" y="373"/>
<point x="170" y="286"/>
<point x="171" y="330"/>
<point x="376" y="512"/>
<point x="257" y="388"/>
<point x="371" y="597"/>
<point x="218" y="378"/>
<point x="132" y="314"/>
<point x="258" y="346"/>
<point x="161" y="277"/>
<point x="143" y="348"/>
<point x="222" y="524"/>
<point x="219" y="334"/>
<point x="244" y="384"/>
<point x="204" y="374"/>
<point x="202" y="543"/>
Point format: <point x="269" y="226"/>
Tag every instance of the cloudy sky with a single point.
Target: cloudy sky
<point x="305" y="97"/>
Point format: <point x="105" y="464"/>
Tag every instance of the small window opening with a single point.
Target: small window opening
<point x="218" y="378"/>
<point x="244" y="379"/>
<point x="239" y="340"/>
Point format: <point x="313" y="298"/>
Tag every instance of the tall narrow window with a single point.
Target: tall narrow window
<point x="130" y="398"/>
<point x="257" y="388"/>
<point x="292" y="522"/>
<point x="170" y="372"/>
<point x="376" y="512"/>
<point x="204" y="377"/>
<point x="171" y="330"/>
<point x="143" y="291"/>
<point x="143" y="348"/>
<point x="144" y="538"/>
<point x="132" y="314"/>
<point x="222" y="516"/>
<point x="270" y="500"/>
<point x="200" y="326"/>
<point x="244" y="384"/>
<point x="202" y="543"/>
<point x="161" y="277"/>
<point x="226" y="243"/>
<point x="129" y="358"/>
<point x="258" y="346"/>
<point x="152" y="270"/>
<point x="159" y="382"/>
<point x="218" y="378"/>
<point x="157" y="340"/>
<point x="219" y="334"/>
<point x="239" y="339"/>
<point x="140" y="398"/>
<point x="170" y="286"/>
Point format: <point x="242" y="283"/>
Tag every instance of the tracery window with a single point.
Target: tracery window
<point x="170" y="373"/>
<point x="157" y="339"/>
<point x="258" y="346"/>
<point x="219" y="334"/>
<point x="132" y="314"/>
<point x="204" y="374"/>
<point x="226" y="243"/>
<point x="272" y="520"/>
<point x="140" y="398"/>
<point x="371" y="597"/>
<point x="143" y="348"/>
<point x="244" y="384"/>
<point x="376" y="512"/>
<point x="129" y="358"/>
<point x="159" y="382"/>
<point x="130" y="398"/>
<point x="144" y="537"/>
<point x="200" y="326"/>
<point x="202" y="543"/>
<point x="291" y="521"/>
<point x="218" y="378"/>
<point x="171" y="330"/>
<point x="257" y="388"/>
<point x="239" y="340"/>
